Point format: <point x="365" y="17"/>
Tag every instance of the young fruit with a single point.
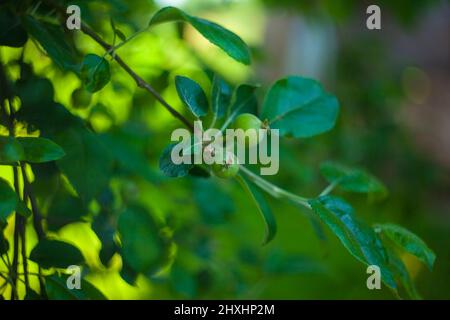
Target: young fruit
<point x="228" y="168"/>
<point x="81" y="98"/>
<point x="248" y="121"/>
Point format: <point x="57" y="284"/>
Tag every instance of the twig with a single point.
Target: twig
<point x="141" y="83"/>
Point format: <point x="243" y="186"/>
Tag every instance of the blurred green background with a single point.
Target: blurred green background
<point x="393" y="86"/>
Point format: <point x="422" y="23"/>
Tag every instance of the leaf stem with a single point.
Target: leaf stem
<point x="273" y="189"/>
<point x="328" y="189"/>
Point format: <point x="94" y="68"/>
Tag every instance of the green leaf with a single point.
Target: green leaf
<point x="128" y="147"/>
<point x="64" y="209"/>
<point x="119" y="33"/>
<point x="56" y="289"/>
<point x="11" y="151"/>
<point x="32" y="295"/>
<point x="220" y="97"/>
<point x="39" y="150"/>
<point x="221" y="37"/>
<point x="170" y="169"/>
<point x="128" y="274"/>
<point x="409" y="242"/>
<point x="203" y="191"/>
<point x="56" y="254"/>
<point x="87" y="164"/>
<point x="359" y="239"/>
<point x="263" y="208"/>
<point x="95" y="72"/>
<point x="350" y="179"/>
<point x="400" y="272"/>
<point x="12" y="34"/>
<point x="23" y="210"/>
<point x="52" y="39"/>
<point x="8" y="200"/>
<point x="245" y="100"/>
<point x="192" y="95"/>
<point x="145" y="248"/>
<point x="300" y="107"/>
<point x="104" y="226"/>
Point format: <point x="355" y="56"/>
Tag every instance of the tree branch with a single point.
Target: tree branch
<point x="141" y="83"/>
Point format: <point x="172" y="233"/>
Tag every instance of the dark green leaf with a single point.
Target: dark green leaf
<point x="350" y="179"/>
<point x="56" y="254"/>
<point x="263" y="209"/>
<point x="64" y="209"/>
<point x="203" y="191"/>
<point x="8" y="200"/>
<point x="245" y="100"/>
<point x="104" y="226"/>
<point x="117" y="31"/>
<point x="95" y="72"/>
<point x="23" y="210"/>
<point x="409" y="242"/>
<point x="221" y="37"/>
<point x="192" y="95"/>
<point x="12" y="34"/>
<point x="11" y="151"/>
<point x="56" y="289"/>
<point x="359" y="239"/>
<point x="52" y="39"/>
<point x="300" y="107"/>
<point x="128" y="150"/>
<point x="221" y="96"/>
<point x="87" y="164"/>
<point x="38" y="150"/>
<point x="170" y="169"/>
<point x="128" y="274"/>
<point x="145" y="248"/>
<point x="32" y="295"/>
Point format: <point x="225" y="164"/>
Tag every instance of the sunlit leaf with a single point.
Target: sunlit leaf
<point x="300" y="107"/>
<point x="400" y="272"/>
<point x="409" y="242"/>
<point x="221" y="37"/>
